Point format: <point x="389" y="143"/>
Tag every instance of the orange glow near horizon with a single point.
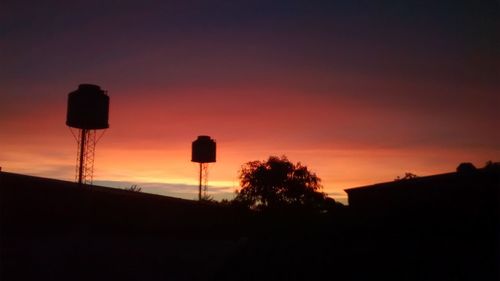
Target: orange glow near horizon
<point x="149" y="142"/>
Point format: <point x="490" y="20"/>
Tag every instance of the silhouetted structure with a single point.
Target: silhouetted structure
<point x="439" y="227"/>
<point x="203" y="151"/>
<point x="54" y="230"/>
<point x="466" y="189"/>
<point x="88" y="111"/>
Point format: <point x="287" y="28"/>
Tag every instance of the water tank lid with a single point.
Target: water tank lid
<point x="89" y="87"/>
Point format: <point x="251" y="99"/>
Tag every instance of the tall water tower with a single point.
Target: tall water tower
<point x="88" y="111"/>
<point x="203" y="152"/>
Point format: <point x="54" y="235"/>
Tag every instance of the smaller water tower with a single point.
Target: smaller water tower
<point x="203" y="152"/>
<point x="88" y="111"/>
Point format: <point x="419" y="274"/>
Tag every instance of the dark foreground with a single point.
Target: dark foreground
<point x="56" y="230"/>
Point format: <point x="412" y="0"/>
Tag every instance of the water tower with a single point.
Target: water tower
<point x="203" y="152"/>
<point x="88" y="111"/>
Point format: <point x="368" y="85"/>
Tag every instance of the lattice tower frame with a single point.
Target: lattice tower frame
<point x="86" y="140"/>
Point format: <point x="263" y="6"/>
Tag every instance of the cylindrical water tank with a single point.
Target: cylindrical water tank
<point x="88" y="108"/>
<point x="203" y="150"/>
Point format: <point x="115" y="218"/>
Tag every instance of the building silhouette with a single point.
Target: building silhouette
<point x="467" y="190"/>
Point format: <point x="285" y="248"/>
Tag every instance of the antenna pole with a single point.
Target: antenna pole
<point x="199" y="188"/>
<point x="82" y="153"/>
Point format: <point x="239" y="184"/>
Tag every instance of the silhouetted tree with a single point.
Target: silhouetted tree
<point x="407" y="176"/>
<point x="491" y="165"/>
<point x="278" y="183"/>
<point x="134" y="188"/>
<point x="208" y="198"/>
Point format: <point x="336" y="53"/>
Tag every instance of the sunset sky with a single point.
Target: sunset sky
<point x="359" y="91"/>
